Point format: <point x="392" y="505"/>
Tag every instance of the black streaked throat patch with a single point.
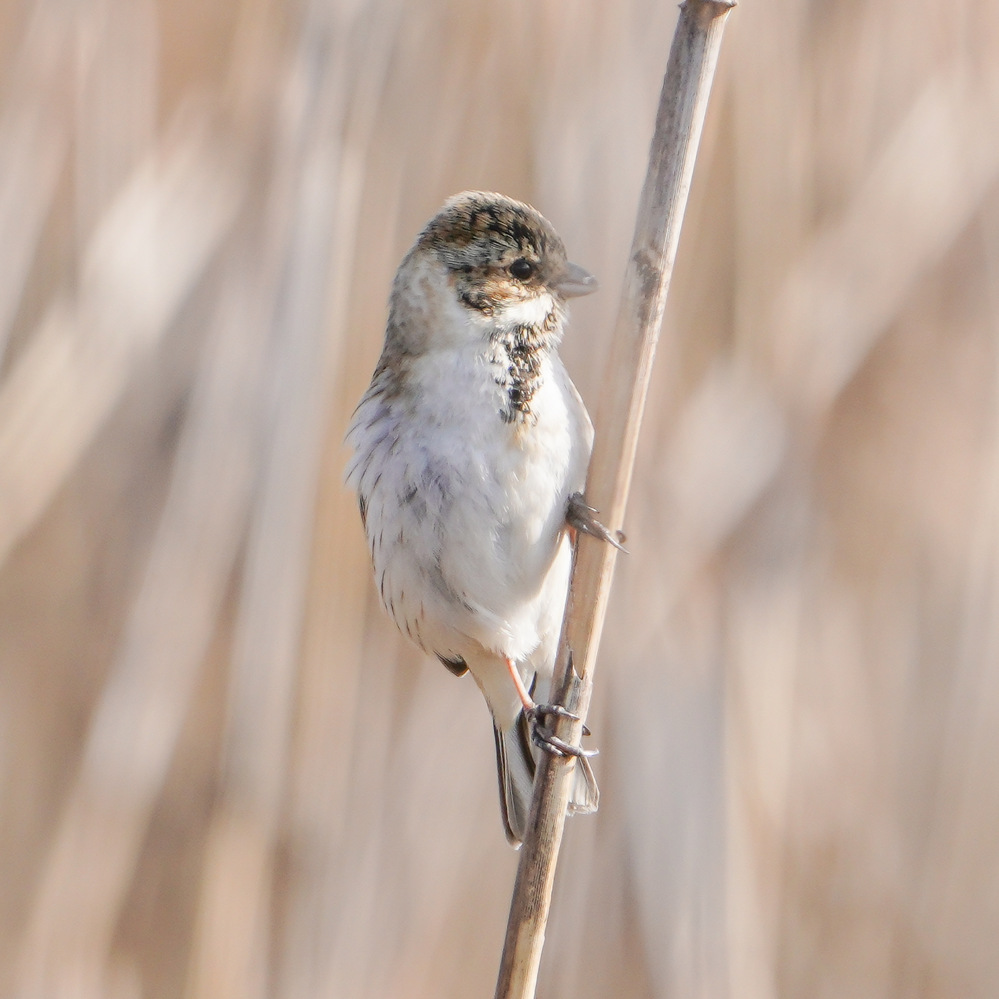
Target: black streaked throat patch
<point x="520" y="351"/>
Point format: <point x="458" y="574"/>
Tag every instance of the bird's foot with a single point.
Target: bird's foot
<point x="544" y="738"/>
<point x="581" y="516"/>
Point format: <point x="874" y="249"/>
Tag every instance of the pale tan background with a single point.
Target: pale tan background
<point x="222" y="774"/>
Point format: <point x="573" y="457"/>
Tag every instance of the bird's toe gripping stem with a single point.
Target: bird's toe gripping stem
<point x="544" y="738"/>
<point x="580" y="516"/>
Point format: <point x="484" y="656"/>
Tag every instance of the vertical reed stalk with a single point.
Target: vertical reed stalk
<point x="682" y="106"/>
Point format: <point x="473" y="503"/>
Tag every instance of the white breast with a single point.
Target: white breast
<point x="465" y="512"/>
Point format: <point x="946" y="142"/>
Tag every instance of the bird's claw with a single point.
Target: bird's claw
<point x="581" y="516"/>
<point x="544" y="738"/>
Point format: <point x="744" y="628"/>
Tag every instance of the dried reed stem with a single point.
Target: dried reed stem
<point x="682" y="105"/>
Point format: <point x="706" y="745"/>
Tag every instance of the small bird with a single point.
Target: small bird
<point x="470" y="450"/>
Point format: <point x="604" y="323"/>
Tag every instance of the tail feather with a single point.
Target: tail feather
<point x="516" y="764"/>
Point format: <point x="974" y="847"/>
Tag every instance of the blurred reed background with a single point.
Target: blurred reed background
<point x="222" y="773"/>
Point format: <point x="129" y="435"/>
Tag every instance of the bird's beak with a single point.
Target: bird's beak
<point x="574" y="281"/>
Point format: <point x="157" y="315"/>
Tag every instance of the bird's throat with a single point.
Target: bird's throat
<point x="519" y="354"/>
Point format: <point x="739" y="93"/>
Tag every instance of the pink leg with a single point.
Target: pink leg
<point x="525" y="697"/>
<point x="541" y="735"/>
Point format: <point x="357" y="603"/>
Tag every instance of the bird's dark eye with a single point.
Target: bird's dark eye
<point x="521" y="269"/>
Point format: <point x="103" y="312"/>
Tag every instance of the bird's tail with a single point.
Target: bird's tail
<point x="516" y="763"/>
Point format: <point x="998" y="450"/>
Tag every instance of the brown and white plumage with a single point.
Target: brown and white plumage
<point x="468" y="445"/>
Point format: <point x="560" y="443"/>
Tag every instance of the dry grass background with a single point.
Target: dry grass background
<point x="221" y="772"/>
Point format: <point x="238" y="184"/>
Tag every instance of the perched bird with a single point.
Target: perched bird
<point x="470" y="450"/>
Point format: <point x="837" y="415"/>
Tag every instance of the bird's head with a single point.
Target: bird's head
<point x="499" y="252"/>
<point x="484" y="264"/>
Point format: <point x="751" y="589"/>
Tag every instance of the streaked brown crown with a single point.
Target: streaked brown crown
<point x="498" y="250"/>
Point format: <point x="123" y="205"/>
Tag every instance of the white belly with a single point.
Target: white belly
<point x="466" y="512"/>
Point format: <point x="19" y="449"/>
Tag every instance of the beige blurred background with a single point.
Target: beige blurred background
<point x="223" y="774"/>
